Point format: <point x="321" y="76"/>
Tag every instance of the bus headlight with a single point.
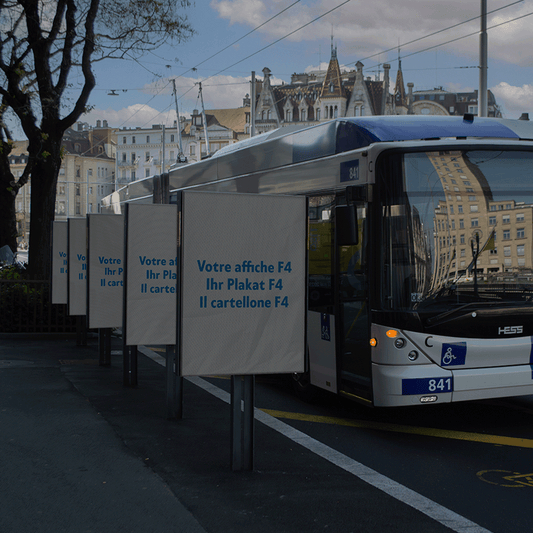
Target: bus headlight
<point x="399" y="343"/>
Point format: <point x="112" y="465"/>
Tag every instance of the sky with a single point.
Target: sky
<point x="437" y="41"/>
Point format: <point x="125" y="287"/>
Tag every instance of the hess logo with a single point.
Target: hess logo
<point x="510" y="330"/>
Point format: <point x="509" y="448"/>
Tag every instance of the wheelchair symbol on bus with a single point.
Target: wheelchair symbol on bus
<point x="448" y="357"/>
<point x="453" y="354"/>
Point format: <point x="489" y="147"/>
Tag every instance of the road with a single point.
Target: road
<point x="473" y="458"/>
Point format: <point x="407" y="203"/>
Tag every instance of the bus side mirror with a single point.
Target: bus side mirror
<point x="346" y="230"/>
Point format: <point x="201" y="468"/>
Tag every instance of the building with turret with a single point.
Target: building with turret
<point x="317" y="96"/>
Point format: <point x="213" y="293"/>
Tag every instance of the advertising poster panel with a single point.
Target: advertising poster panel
<point x="105" y="270"/>
<point x="77" y="266"/>
<point x="243" y="277"/>
<point x="151" y="274"/>
<point x="59" y="262"/>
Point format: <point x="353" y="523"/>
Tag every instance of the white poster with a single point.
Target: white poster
<point x="243" y="284"/>
<point x="59" y="262"/>
<point x="77" y="266"/>
<point x="151" y="274"/>
<point x="105" y="270"/>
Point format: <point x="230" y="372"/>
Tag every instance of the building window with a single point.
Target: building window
<point x="124" y="156"/>
<point x="462" y="239"/>
<point x="318" y="114"/>
<point x="172" y="138"/>
<point x="474" y="223"/>
<point x="506" y="219"/>
<point x="507" y="251"/>
<point x="123" y="140"/>
<point x="147" y="156"/>
<point x="147" y="138"/>
<point x="520" y="233"/>
<point x="506" y="234"/>
<point x="461" y="223"/>
<point x="520" y="217"/>
<point x="492" y="221"/>
<point x="521" y="250"/>
<point x="473" y="209"/>
<point x="147" y="173"/>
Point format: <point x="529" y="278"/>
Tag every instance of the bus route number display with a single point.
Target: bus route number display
<point x="243" y="284"/>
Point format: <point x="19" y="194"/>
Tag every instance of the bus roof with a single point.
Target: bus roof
<point x="421" y="127"/>
<point x="351" y="133"/>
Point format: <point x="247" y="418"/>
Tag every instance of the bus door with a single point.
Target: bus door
<point x="351" y="300"/>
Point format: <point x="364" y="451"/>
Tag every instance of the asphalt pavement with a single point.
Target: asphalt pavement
<point x="82" y="453"/>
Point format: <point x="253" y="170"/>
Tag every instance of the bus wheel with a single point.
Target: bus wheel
<point x="301" y="384"/>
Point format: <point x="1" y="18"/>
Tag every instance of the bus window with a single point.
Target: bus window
<point x="453" y="229"/>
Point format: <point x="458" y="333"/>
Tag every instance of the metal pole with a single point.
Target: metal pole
<point x="163" y="155"/>
<point x="178" y="117"/>
<point x="205" y="124"/>
<point x="483" y="67"/>
<point x="248" y="426"/>
<point x="236" y="423"/>
<point x="252" y="106"/>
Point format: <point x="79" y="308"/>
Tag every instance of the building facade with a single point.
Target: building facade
<point x="318" y="96"/>
<point x="86" y="175"/>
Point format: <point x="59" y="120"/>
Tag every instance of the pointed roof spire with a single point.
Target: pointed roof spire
<point x="399" y="89"/>
<point x="332" y="85"/>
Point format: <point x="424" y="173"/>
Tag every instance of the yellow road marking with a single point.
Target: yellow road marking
<point x="397" y="428"/>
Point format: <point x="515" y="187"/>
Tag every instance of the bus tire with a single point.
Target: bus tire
<point x="301" y="384"/>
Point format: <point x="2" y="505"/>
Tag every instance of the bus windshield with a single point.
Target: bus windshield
<point x="457" y="229"/>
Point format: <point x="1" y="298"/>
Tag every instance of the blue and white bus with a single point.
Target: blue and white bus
<point x="420" y="247"/>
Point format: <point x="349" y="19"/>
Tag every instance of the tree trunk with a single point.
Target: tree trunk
<point x="8" y="224"/>
<point x="43" y="198"/>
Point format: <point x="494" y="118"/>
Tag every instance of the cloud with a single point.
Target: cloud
<point x="137" y="115"/>
<point x="365" y="29"/>
<point x="514" y="100"/>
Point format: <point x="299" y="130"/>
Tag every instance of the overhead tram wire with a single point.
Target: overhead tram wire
<point x="222" y="50"/>
<point x="278" y="40"/>
<point x="240" y="38"/>
<point x="446" y="29"/>
<point x="457" y="39"/>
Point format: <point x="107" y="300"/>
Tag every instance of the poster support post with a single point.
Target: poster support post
<point x="242" y="422"/>
<point x="174" y="385"/>
<point x="104" y="346"/>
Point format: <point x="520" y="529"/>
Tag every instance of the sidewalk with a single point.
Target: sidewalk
<point x="81" y="453"/>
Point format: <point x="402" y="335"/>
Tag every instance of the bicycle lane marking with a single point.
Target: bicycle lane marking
<point x="437" y="512"/>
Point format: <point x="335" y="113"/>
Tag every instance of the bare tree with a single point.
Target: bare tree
<point x="44" y="46"/>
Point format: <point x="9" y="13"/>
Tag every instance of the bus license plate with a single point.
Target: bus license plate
<point x="426" y="385"/>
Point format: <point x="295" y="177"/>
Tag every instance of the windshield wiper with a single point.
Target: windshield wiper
<point x="442" y="318"/>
